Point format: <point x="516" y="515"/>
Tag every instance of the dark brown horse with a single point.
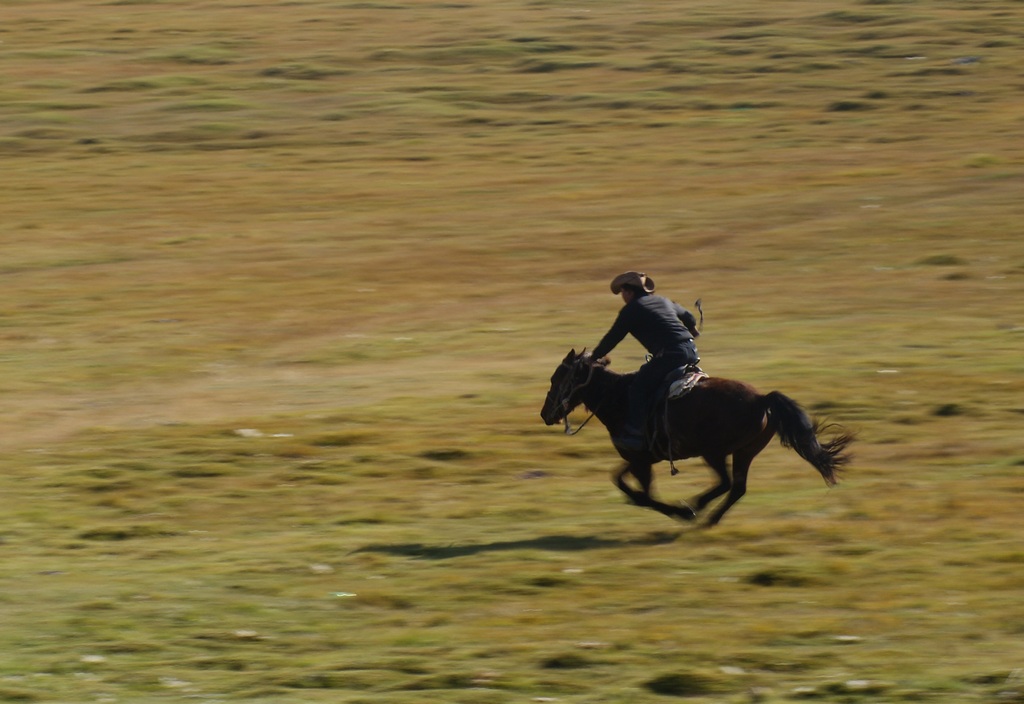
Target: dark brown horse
<point x="718" y="418"/>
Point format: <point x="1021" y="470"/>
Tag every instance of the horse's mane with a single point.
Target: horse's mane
<point x="603" y="365"/>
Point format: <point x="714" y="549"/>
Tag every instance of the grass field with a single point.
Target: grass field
<point x="283" y="284"/>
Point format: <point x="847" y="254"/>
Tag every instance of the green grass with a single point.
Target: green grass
<point x="283" y="284"/>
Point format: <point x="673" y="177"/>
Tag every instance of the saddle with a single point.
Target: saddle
<point x="678" y="383"/>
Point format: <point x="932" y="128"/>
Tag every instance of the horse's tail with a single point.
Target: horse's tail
<point x="798" y="432"/>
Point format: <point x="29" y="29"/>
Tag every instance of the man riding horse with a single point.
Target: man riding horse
<point x="717" y="419"/>
<point x="667" y="332"/>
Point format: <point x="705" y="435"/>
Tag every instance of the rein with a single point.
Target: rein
<point x="568" y="427"/>
<point x="565" y="402"/>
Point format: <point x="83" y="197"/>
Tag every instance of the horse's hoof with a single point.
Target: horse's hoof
<point x="684" y="512"/>
<point x="711" y="522"/>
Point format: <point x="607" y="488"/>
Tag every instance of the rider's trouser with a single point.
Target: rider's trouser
<point x="646" y="382"/>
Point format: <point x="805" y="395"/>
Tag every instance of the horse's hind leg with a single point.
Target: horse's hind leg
<point x="741" y="460"/>
<point x="720" y="466"/>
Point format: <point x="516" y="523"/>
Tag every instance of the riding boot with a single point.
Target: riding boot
<point x="631" y="437"/>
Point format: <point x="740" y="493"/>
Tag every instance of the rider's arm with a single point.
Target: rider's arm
<point x="619" y="330"/>
<point x="688" y="318"/>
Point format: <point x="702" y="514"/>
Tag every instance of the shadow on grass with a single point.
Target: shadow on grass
<point x="553" y="543"/>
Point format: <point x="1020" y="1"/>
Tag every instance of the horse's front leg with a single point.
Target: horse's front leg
<point x="640" y="498"/>
<point x="644" y="476"/>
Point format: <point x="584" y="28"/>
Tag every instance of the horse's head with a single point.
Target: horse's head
<point x="569" y="379"/>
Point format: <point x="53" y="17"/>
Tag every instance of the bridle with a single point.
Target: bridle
<point x="568" y="383"/>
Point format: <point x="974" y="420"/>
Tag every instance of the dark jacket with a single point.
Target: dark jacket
<point x="660" y="325"/>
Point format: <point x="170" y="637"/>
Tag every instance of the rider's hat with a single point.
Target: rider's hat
<point x="633" y="278"/>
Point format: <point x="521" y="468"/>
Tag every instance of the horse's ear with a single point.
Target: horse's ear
<point x="571" y="356"/>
